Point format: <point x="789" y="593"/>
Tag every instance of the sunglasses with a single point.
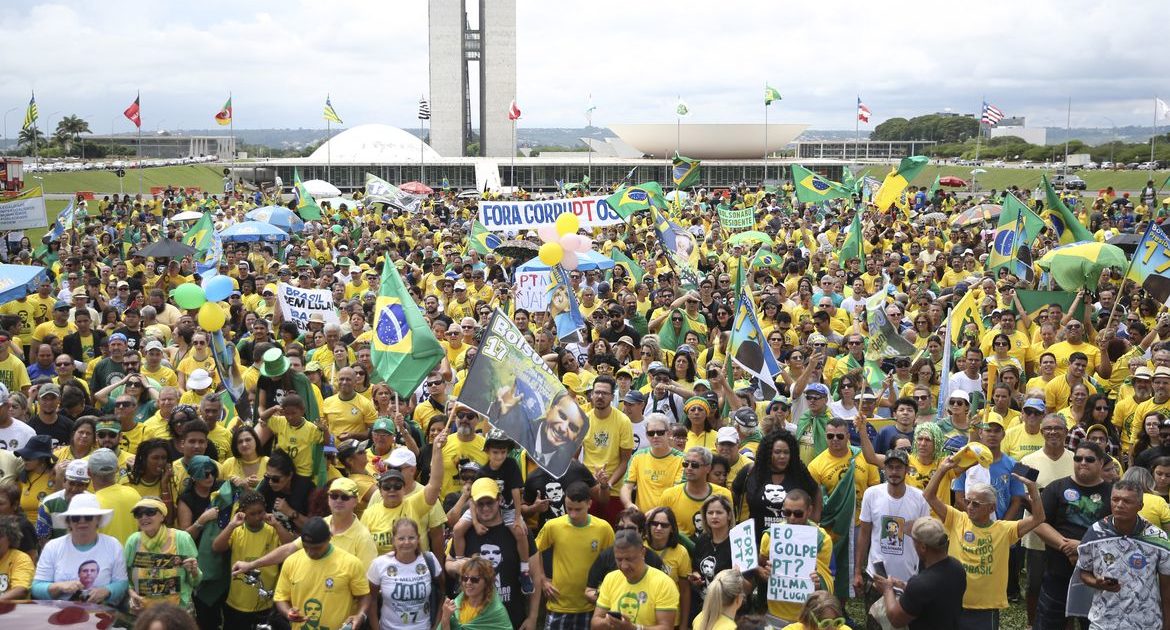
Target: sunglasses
<point x="82" y="519"/>
<point x="64" y="364"/>
<point x="434" y="383"/>
<point x="813" y="397"/>
<point x="792" y="513"/>
<point x="340" y="496"/>
<point x="1085" y="459"/>
<point x="658" y="433"/>
<point x="105" y="434"/>
<point x="836" y="436"/>
<point x="145" y="512"/>
<point x="393" y="485"/>
<point x="466" y="415"/>
<point x="273" y="478"/>
<point x="470" y="579"/>
<point x="692" y="465"/>
<point x="123" y="404"/>
<point x="659" y="524"/>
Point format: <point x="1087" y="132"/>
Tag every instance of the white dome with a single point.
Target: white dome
<point x="372" y="144"/>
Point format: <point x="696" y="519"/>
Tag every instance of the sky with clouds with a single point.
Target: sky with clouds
<point x="279" y="59"/>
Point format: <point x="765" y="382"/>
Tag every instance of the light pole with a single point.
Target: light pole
<point x="6" y="121"/>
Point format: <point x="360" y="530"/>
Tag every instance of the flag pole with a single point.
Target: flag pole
<point x="422" y="158"/>
<point x="1067" y="132"/>
<point x="588" y="127"/>
<point x="328" y="148"/>
<point x="512" y="174"/>
<point x="1154" y="138"/>
<point x="856" y="131"/>
<point x="138" y="99"/>
<point x="1128" y="269"/>
<point x="978" y="140"/>
<point x="232" y="127"/>
<point x="765" y="133"/>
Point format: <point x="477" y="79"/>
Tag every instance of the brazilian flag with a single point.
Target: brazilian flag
<point x="812" y="188"/>
<point x="632" y="267"/>
<point x="404" y="349"/>
<point x="684" y="171"/>
<point x="766" y="259"/>
<point x="307" y="207"/>
<point x="200" y="235"/>
<point x="481" y="240"/>
<point x="630" y="199"/>
<point x="1065" y="225"/>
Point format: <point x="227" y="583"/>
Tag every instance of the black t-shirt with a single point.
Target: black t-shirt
<point x="498" y="545"/>
<point x="1071" y="509"/>
<point x="934" y="597"/>
<point x="606" y="564"/>
<point x="297" y="497"/>
<point x="708" y="558"/>
<point x="765" y="502"/>
<point x="553" y="488"/>
<point x="60" y="430"/>
<point x="508" y="478"/>
<point x="1146" y="458"/>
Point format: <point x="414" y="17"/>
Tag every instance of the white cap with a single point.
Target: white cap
<point x="199" y="379"/>
<point x="401" y="456"/>
<point x="727" y="434"/>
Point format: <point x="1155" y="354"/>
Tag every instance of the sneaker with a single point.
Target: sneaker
<point x="526" y="585"/>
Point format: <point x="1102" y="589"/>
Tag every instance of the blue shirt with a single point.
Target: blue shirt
<point x="887" y="436"/>
<point x="1006" y="486"/>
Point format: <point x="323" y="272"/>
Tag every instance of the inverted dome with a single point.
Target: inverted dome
<point x="374" y="143"/>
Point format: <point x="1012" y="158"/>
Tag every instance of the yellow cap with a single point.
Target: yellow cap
<point x="971" y="454"/>
<point x="485" y="488"/>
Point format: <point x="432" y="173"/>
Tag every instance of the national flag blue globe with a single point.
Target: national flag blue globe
<point x="1003" y="242"/>
<point x="820" y="185"/>
<point x="636" y="195"/>
<point x="492" y="240"/>
<point x="392" y="325"/>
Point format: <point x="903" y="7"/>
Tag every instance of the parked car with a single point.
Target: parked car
<point x="1072" y="182"/>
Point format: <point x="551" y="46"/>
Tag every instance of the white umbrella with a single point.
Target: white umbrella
<point x="189" y="215"/>
<point x="976" y="171"/>
<point x="672" y="195"/>
<point x="321" y="188"/>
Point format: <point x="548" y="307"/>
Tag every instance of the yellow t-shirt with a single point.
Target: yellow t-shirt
<point x="336" y="583"/>
<point x="1017" y="442"/>
<point x="454" y="451"/>
<point x="379" y="519"/>
<point x="18" y="570"/>
<point x="575" y="548"/>
<point x="120" y="499"/>
<point x="827" y="470"/>
<point x="355" y="539"/>
<point x="1062" y="349"/>
<point x="605" y="440"/>
<point x="676" y="562"/>
<point x="164" y="375"/>
<point x="34" y="491"/>
<point x="189" y="364"/>
<point x="983" y="551"/>
<point x="248" y="545"/>
<point x="26" y="311"/>
<point x="1155" y="510"/>
<point x="705" y="439"/>
<point x="791" y="610"/>
<point x="685" y="507"/>
<point x="51" y="328"/>
<point x="298" y="442"/>
<point x="355" y="415"/>
<point x="722" y="623"/>
<point x="639" y="601"/>
<point x="14" y="374"/>
<point x="653" y="475"/>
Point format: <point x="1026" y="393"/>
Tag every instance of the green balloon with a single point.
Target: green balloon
<point x="188" y="296"/>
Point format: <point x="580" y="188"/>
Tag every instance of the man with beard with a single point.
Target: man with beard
<point x="467" y="445"/>
<point x="618" y="327"/>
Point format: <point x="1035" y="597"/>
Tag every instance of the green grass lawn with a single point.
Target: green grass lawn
<point x="206" y="177"/>
<point x="1000" y="178"/>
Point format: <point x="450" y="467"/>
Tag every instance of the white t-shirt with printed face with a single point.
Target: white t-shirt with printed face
<point x="406" y="589"/>
<point x="890" y="519"/>
<point x="96" y="566"/>
<point x="15" y="435"/>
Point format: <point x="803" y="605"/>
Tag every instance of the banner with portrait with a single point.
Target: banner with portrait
<point x="514" y="388"/>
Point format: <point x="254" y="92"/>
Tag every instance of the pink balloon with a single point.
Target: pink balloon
<point x="576" y="243"/>
<point x="570" y="260"/>
<point x="548" y="233"/>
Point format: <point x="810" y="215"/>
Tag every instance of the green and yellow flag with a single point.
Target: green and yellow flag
<point x="330" y="114"/>
<point x="812" y="188"/>
<point x="966" y="313"/>
<point x="770" y="94"/>
<point x="1064" y="223"/>
<point x="853" y="247"/>
<point x="1011" y="245"/>
<point x="200" y="234"/>
<point x="404" y="350"/>
<point x="30" y="114"/>
<point x="684" y="171"/>
<point x="898" y="180"/>
<point x="481" y="240"/>
<point x="632" y="267"/>
<point x="307" y="207"/>
<point x="630" y="199"/>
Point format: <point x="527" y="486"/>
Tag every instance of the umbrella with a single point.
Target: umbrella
<point x="417" y="188"/>
<point x="934" y="216"/>
<point x="751" y="236"/>
<point x="321" y="188"/>
<point x="17" y="281"/>
<point x="681" y="195"/>
<point x="166" y="248"/>
<point x="1079" y="265"/>
<point x="279" y="216"/>
<point x="517" y="249"/>
<point x="587" y="261"/>
<point x="952" y="182"/>
<point x="976" y="171"/>
<point x="977" y="214"/>
<point x="251" y="232"/>
<point x="189" y="215"/>
<point x="1127" y="242"/>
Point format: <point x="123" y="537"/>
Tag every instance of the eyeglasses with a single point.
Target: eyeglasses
<point x="686" y="464"/>
<point x="957" y="403"/>
<point x="273" y="478"/>
<point x="123" y="404"/>
<point x="837" y="436"/>
<point x="921" y="397"/>
<point x="1085" y="459"/>
<point x="470" y="579"/>
<point x="1101" y="408"/>
<point x="145" y="512"/>
<point x="340" y="496"/>
<point x="658" y="433"/>
<point x="659" y="524"/>
<point x="434" y="383"/>
<point x="392" y="485"/>
<point x="792" y="513"/>
<point x="88" y="518"/>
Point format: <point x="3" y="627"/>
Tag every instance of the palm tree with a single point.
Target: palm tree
<point x="69" y="130"/>
<point x="30" y="136"/>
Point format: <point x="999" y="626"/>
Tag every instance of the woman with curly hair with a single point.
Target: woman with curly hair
<point x="760" y="489"/>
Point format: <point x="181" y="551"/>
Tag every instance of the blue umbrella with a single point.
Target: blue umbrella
<point x="17" y="281"/>
<point x="279" y="216"/>
<point x="251" y="232"/>
<point x="586" y="261"/>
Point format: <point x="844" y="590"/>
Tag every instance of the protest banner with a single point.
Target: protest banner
<point x="514" y="388"/>
<point x="500" y="216"/>
<point x="737" y="218"/>
<point x="24" y="211"/>
<point x="792" y="550"/>
<point x="297" y="304"/>
<point x="532" y="290"/>
<point x="744" y="554"/>
<point x="884" y="338"/>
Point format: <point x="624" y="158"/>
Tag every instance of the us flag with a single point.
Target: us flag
<point x="991" y="114"/>
<point x="862" y="111"/>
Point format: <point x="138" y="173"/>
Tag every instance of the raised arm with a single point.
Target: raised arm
<point x="931" y="491"/>
<point x="435" y="483"/>
<point x="1036" y="517"/>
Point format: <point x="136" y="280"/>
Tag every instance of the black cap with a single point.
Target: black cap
<point x="315" y="531"/>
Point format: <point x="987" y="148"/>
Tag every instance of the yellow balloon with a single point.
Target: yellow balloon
<point x="568" y="223"/>
<point x="551" y="253"/>
<point x="211" y="317"/>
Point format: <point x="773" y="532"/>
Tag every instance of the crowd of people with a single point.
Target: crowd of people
<point x="131" y="476"/>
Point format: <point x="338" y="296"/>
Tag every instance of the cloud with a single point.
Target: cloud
<point x="279" y="60"/>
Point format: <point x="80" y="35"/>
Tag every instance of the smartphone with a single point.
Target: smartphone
<point x="1027" y="472"/>
<point x="879" y="569"/>
<point x="615" y="614"/>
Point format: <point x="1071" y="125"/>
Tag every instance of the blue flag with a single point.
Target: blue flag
<point x="563" y="307"/>
<point x="748" y="349"/>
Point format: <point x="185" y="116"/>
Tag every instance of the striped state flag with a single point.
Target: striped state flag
<point x="424" y="108"/>
<point x="991" y="115"/>
<point x="862" y="111"/>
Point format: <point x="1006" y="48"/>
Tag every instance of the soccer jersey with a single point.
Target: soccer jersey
<point x="605" y="440"/>
<point x="326" y="590"/>
<point x="575" y="548"/>
<point x="247" y="545"/>
<point x="676" y="562"/>
<point x="379" y="519"/>
<point x="983" y="551"/>
<point x="827" y="470"/>
<point x="298" y="442"/>
<point x="355" y="415"/>
<point x="456" y="451"/>
<point x="791" y="610"/>
<point x="639" y="601"/>
<point x="16" y="570"/>
<point x="686" y="508"/>
<point x="356" y="540"/>
<point x="653" y="475"/>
